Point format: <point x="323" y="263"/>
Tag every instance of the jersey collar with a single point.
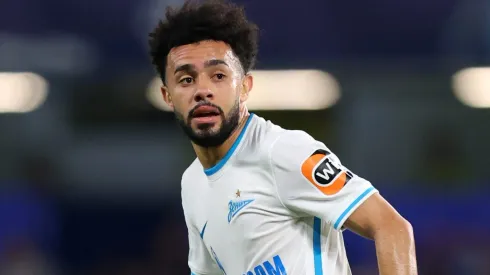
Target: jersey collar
<point x="213" y="170"/>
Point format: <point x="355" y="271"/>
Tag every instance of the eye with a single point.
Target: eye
<point x="186" y="80"/>
<point x="219" y="76"/>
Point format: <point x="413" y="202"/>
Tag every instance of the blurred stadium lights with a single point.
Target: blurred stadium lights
<point x="471" y="86"/>
<point x="22" y="92"/>
<point x="277" y="90"/>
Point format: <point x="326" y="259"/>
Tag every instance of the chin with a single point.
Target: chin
<point x="207" y="132"/>
<point x="207" y="127"/>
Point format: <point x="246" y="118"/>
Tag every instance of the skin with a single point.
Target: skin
<point x="207" y="72"/>
<point x="393" y="236"/>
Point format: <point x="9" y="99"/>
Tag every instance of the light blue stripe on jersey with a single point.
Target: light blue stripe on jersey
<point x="202" y="231"/>
<point x="223" y="161"/>
<point x="352" y="205"/>
<point x="317" y="245"/>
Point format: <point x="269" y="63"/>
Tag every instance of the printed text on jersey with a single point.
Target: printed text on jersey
<point x="268" y="268"/>
<point x="236" y="206"/>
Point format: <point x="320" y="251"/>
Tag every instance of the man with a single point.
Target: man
<point x="259" y="199"/>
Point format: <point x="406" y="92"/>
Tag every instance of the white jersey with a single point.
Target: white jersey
<point x="274" y="205"/>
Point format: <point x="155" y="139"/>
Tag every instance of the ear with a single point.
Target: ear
<point x="166" y="96"/>
<point x="247" y="85"/>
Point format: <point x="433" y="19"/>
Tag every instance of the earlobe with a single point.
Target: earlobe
<point x="244" y="93"/>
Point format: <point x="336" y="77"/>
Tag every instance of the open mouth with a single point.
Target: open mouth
<point x="205" y="111"/>
<point x="206" y="114"/>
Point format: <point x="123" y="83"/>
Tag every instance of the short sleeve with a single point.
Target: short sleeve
<point x="311" y="180"/>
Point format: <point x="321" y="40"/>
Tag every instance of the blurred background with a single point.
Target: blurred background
<point x="90" y="161"/>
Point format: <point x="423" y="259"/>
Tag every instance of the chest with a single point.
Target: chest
<point x="237" y="203"/>
<point x="239" y="210"/>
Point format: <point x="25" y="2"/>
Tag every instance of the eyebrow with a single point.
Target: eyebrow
<point x="185" y="68"/>
<point x="191" y="68"/>
<point x="215" y="62"/>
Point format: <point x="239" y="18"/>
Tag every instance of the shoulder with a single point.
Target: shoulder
<point x="281" y="147"/>
<point x="192" y="178"/>
<point x="266" y="136"/>
<point x="258" y="139"/>
<point x="296" y="138"/>
<point x="293" y="147"/>
<point x="191" y="173"/>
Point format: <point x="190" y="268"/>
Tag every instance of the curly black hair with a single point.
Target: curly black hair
<point x="216" y="20"/>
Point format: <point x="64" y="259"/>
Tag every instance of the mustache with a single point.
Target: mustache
<point x="208" y="104"/>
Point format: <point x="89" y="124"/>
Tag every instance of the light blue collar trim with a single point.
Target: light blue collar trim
<point x="222" y="162"/>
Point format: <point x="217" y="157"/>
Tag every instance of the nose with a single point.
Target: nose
<point x="203" y="92"/>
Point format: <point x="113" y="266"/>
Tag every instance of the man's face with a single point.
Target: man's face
<point x="205" y="88"/>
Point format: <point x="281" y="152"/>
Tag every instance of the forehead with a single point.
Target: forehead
<point x="198" y="53"/>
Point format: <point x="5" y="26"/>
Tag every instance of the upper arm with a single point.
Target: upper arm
<point x="374" y="215"/>
<point x="311" y="180"/>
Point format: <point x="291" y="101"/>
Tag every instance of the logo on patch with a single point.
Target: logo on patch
<point x="236" y="206"/>
<point x="325" y="173"/>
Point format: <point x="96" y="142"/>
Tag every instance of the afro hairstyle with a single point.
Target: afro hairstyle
<point x="216" y="20"/>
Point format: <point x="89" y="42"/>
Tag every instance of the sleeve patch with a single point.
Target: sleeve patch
<point x="324" y="173"/>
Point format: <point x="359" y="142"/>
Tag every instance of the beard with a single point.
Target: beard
<point x="205" y="136"/>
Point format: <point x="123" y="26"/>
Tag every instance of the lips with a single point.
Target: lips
<point x="206" y="115"/>
<point x="205" y="111"/>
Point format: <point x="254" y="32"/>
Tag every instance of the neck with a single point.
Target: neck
<point x="210" y="156"/>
